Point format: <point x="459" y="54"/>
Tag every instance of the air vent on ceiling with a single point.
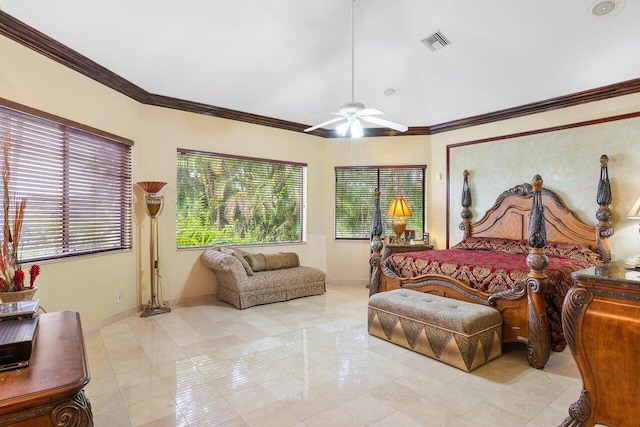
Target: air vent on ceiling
<point x="436" y="41"/>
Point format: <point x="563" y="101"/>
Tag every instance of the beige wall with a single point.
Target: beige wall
<point x="89" y="285"/>
<point x="348" y="261"/>
<point x="164" y="131"/>
<point x="567" y="160"/>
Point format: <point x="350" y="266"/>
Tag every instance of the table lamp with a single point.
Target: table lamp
<point x="634" y="213"/>
<point x="399" y="212"/>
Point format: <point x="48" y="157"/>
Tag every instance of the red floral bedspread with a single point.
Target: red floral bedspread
<point x="494" y="265"/>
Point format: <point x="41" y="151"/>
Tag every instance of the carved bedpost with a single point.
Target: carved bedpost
<point x="376" y="245"/>
<point x="538" y="285"/>
<point x="604" y="230"/>
<point x="466" y="214"/>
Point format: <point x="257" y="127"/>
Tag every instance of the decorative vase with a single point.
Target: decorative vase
<point x="24" y="295"/>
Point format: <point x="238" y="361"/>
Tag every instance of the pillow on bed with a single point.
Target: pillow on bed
<point x="564" y="250"/>
<point x="571" y="251"/>
<point x="493" y="244"/>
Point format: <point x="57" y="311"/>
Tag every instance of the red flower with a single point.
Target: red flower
<point x="18" y="279"/>
<point x="34" y="270"/>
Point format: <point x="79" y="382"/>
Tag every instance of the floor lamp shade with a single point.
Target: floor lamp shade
<point x="153" y="204"/>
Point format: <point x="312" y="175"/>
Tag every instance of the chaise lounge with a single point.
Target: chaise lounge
<point x="246" y="279"/>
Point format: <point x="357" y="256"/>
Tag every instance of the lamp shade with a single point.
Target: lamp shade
<point x="634" y="213"/>
<point x="398" y="208"/>
<point x="151" y="186"/>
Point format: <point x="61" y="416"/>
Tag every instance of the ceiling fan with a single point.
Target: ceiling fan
<point x="353" y="111"/>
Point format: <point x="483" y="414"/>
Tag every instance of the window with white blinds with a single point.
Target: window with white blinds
<point x="77" y="185"/>
<point x="354" y="188"/>
<point x="227" y="199"/>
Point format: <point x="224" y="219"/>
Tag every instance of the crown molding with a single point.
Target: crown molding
<point x="598" y="94"/>
<point x="21" y="33"/>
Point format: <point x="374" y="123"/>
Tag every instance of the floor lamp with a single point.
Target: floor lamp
<point x="153" y="204"/>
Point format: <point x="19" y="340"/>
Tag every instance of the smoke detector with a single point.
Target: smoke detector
<point x="602" y="8"/>
<point x="390" y="91"/>
<point x="435" y="41"/>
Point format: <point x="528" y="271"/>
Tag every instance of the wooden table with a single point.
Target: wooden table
<point x="601" y="321"/>
<point x="50" y="391"/>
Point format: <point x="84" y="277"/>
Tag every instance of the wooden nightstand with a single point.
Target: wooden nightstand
<point x="600" y="321"/>
<point x="388" y="249"/>
<point x="398" y="248"/>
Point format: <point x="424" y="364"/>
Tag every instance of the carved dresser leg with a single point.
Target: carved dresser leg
<point x="73" y="413"/>
<point x="579" y="412"/>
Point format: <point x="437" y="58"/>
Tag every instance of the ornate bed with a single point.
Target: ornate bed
<point x="502" y="260"/>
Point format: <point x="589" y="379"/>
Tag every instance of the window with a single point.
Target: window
<point x="76" y="180"/>
<point x="224" y="199"/>
<point x="354" y="198"/>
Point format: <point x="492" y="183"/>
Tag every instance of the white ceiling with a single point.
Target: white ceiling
<point x="291" y="59"/>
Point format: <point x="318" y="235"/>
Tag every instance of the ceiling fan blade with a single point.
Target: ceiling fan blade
<point x="386" y="123"/>
<point x="324" y="124"/>
<point x="368" y="112"/>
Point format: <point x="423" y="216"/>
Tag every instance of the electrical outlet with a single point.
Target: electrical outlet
<point x="119" y="296"/>
<point x="613" y="256"/>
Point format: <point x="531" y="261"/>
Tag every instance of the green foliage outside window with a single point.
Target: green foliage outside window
<point x="354" y="187"/>
<point x="231" y="200"/>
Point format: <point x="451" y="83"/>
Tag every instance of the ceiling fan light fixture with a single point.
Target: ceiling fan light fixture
<point x="343" y="128"/>
<point x="351" y="107"/>
<point x="353" y="111"/>
<point x="355" y="129"/>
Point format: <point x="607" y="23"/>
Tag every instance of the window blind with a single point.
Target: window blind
<point x="77" y="185"/>
<point x="354" y="188"/>
<point x="226" y="199"/>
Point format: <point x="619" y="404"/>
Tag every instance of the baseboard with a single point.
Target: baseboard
<point x="177" y="302"/>
<point x="194" y="300"/>
<point x="362" y="283"/>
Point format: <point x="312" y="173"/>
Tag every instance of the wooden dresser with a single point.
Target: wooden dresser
<point x="601" y="321"/>
<point x="50" y="391"/>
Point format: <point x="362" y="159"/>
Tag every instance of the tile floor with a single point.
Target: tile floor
<point x="305" y="362"/>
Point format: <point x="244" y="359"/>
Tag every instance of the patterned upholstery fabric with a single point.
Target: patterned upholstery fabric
<point x="261" y="262"/>
<point x="240" y="256"/>
<point x="493" y="265"/>
<point x="462" y="334"/>
<point x="263" y="287"/>
<point x="563" y="250"/>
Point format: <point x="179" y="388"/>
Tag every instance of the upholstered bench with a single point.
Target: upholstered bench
<point x="459" y="333"/>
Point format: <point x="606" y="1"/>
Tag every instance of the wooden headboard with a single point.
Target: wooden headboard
<point x="508" y="218"/>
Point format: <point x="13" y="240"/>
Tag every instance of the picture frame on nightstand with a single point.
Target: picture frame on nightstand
<point x="409" y="235"/>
